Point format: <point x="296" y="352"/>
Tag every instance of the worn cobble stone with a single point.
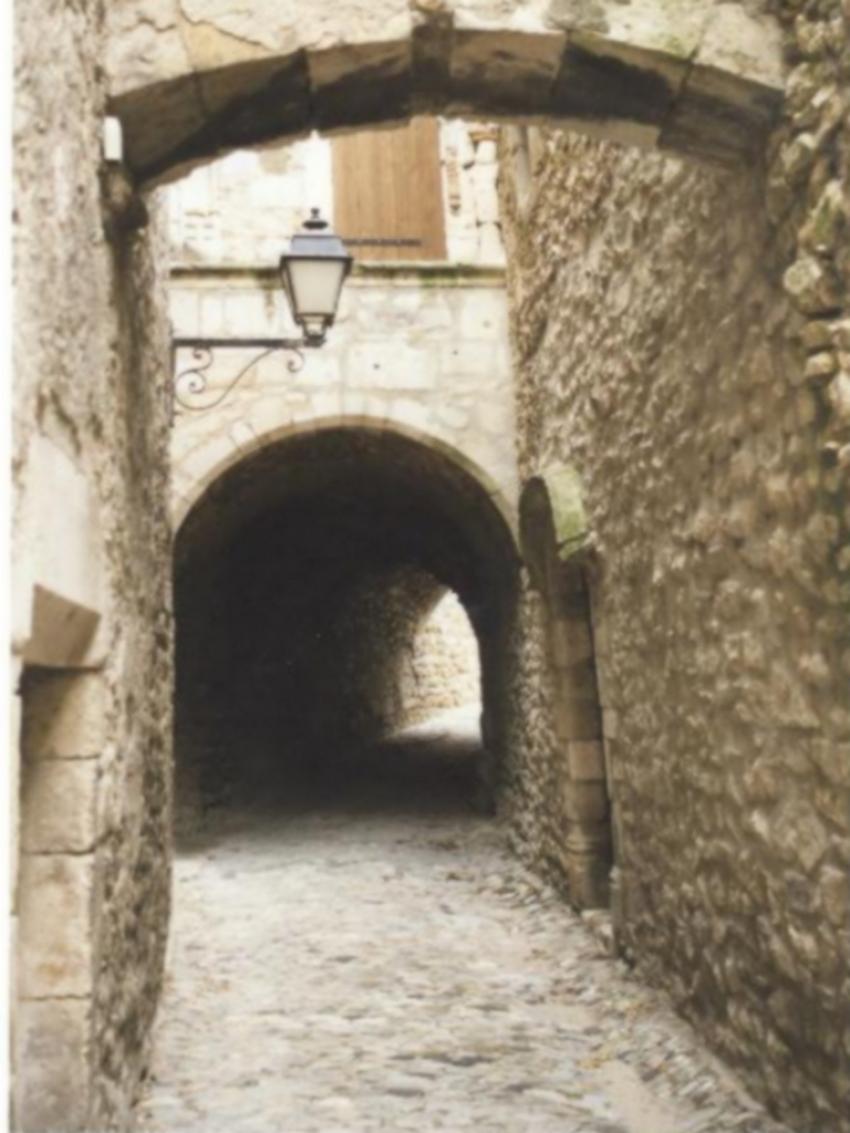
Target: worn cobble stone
<point x="380" y="961"/>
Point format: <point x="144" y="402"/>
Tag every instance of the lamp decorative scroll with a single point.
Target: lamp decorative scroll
<point x="193" y="380"/>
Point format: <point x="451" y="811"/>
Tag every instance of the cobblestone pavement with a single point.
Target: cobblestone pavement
<point x="373" y="959"/>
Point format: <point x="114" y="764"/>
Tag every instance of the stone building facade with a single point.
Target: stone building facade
<point x="664" y="676"/>
<point x="416" y="346"/>
<point x="681" y="342"/>
<point x="91" y="634"/>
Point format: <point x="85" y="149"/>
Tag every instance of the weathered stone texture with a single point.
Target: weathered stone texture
<point x="681" y="339"/>
<point x="91" y="426"/>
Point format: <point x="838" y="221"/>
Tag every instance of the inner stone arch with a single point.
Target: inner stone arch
<point x="303" y="576"/>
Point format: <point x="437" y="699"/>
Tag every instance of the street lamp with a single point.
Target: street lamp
<point x="312" y="273"/>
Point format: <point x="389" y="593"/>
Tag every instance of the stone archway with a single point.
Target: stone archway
<point x="554" y="544"/>
<point x="302" y="574"/>
<point x="203" y="465"/>
<point x="193" y="78"/>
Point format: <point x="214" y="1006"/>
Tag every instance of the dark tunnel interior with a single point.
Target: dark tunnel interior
<point x="301" y="577"/>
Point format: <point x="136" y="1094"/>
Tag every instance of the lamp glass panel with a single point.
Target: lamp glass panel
<point x="315" y="286"/>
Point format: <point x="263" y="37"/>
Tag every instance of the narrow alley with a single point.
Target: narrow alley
<point x="429" y="648"/>
<point x="371" y="957"/>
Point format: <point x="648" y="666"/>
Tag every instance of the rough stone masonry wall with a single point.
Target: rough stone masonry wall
<point x="92" y="558"/>
<point x="682" y="337"/>
<point x="442" y="663"/>
<point x="409" y="650"/>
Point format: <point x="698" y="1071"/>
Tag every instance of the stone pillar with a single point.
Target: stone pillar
<point x="554" y="537"/>
<point x="61" y="737"/>
<point x="578" y="724"/>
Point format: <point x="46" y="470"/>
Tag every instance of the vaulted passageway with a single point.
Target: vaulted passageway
<point x="353" y="945"/>
<point x="304" y="580"/>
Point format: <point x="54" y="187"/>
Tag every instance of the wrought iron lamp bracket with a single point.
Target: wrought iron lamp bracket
<point x="193" y="379"/>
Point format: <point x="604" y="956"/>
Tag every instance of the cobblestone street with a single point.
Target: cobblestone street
<point x="373" y="959"/>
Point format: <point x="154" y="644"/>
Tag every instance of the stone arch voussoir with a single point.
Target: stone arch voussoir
<point x="190" y="79"/>
<point x="207" y="463"/>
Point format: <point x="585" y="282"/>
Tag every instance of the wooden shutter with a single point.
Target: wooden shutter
<point x="388" y="183"/>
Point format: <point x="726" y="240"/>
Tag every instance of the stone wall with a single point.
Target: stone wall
<point x="400" y="651"/>
<point x="91" y="622"/>
<point x="442" y="664"/>
<point x="681" y="340"/>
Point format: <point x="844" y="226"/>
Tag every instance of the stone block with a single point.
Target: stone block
<point x="502" y="71"/>
<point x="58" y="805"/>
<point x="578" y="680"/>
<point x="58" y="576"/>
<point x="719" y="118"/>
<point x="491" y="250"/>
<point x="55" y="893"/>
<point x="161" y="127"/>
<point x="52" y="1066"/>
<point x="183" y="310"/>
<point x="63" y="633"/>
<point x="739" y="42"/>
<point x="598" y="89"/>
<point x="65" y="716"/>
<point x="574" y="641"/>
<point x="212" y="318"/>
<point x="361" y="84"/>
<point x="577" y="719"/>
<point x="589" y="883"/>
<point x="251" y="30"/>
<point x="481" y="315"/>
<point x="388" y="365"/>
<point x="247" y="313"/>
<point x="141" y="33"/>
<point x="413" y="414"/>
<point x="585" y="802"/>
<point x="468" y="359"/>
<point x="327" y="405"/>
<point x="642" y="32"/>
<point x="586" y="760"/>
